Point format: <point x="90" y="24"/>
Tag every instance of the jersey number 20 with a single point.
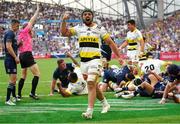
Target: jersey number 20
<point x="150" y="67"/>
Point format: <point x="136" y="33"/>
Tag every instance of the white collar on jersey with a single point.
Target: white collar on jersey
<point x="93" y="27"/>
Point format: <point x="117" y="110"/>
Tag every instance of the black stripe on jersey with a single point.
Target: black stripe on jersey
<point x="132" y="44"/>
<point x="83" y="59"/>
<point x="132" y="49"/>
<point x="89" y="44"/>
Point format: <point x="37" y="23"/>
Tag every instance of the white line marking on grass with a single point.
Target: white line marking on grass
<point x="26" y="82"/>
<point x="114" y="104"/>
<point x="26" y="96"/>
<point x="29" y="109"/>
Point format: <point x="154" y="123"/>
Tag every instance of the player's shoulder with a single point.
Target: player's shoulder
<point x="56" y="71"/>
<point x="137" y="30"/>
<point x="9" y="32"/>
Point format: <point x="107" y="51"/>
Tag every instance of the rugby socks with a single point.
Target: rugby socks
<point x="14" y="90"/>
<point x="9" y="90"/>
<point x="34" y="84"/>
<point x="104" y="102"/>
<point x="20" y="86"/>
<point x="138" y="90"/>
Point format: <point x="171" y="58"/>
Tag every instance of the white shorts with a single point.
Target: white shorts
<point x="92" y="66"/>
<point x="133" y="55"/>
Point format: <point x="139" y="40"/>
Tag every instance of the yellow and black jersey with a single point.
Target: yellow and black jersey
<point x="90" y="41"/>
<point x="133" y="39"/>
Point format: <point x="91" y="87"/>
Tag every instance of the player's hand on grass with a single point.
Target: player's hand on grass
<point x="51" y="94"/>
<point x="163" y="101"/>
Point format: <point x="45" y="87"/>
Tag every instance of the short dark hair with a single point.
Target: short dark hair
<point x="131" y="21"/>
<point x="59" y="61"/>
<point x="173" y="69"/>
<point x="87" y="10"/>
<point x="14" y="21"/>
<point x="73" y="77"/>
<point x="137" y="81"/>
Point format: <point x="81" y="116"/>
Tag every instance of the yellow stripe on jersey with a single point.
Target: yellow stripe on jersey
<point x="89" y="54"/>
<point x="106" y="36"/>
<point x="139" y="38"/>
<point x="132" y="47"/>
<point x="72" y="30"/>
<point x="131" y="40"/>
<point x="88" y="39"/>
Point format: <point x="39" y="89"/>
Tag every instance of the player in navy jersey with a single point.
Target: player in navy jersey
<point x="61" y="73"/>
<point x="173" y="72"/>
<point x="117" y="76"/>
<point x="11" y="60"/>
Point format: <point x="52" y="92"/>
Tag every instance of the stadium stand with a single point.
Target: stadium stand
<point x="49" y="41"/>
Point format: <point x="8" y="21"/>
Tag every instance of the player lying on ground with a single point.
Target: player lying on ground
<point x="152" y="86"/>
<point x="116" y="75"/>
<point x="77" y="84"/>
<point x="61" y="73"/>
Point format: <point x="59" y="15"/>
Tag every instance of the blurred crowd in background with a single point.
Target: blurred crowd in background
<point x="162" y="35"/>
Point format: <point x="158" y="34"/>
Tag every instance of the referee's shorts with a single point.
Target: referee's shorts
<point x="26" y="59"/>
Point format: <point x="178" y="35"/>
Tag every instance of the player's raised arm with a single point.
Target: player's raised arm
<point x="64" y="30"/>
<point x="33" y="19"/>
<point x="68" y="54"/>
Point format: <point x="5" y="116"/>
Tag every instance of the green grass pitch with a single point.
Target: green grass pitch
<point x="56" y="109"/>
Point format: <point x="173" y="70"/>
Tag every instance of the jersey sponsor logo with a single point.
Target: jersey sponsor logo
<point x="88" y="39"/>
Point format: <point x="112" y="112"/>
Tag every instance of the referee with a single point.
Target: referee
<point x="11" y="60"/>
<point x="26" y="57"/>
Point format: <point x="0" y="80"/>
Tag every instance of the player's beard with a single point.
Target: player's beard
<point x="88" y="21"/>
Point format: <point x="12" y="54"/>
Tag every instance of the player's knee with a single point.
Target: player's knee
<point x="91" y="85"/>
<point x="13" y="79"/>
<point x="24" y="74"/>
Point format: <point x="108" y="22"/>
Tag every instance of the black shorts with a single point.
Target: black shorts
<point x="10" y="66"/>
<point x="144" y="93"/>
<point x="26" y="59"/>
